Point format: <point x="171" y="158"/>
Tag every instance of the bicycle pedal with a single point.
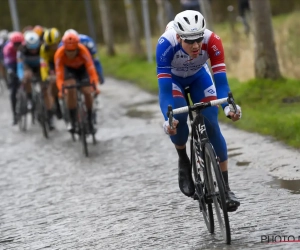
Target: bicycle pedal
<point x="195" y="197"/>
<point x="232" y="209"/>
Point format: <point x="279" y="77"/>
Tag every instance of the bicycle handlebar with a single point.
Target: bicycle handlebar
<point x="199" y="106"/>
<point x="79" y="85"/>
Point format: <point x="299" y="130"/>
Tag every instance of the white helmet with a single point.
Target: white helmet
<point x="32" y="39"/>
<point x="170" y="25"/>
<point x="4" y="34"/>
<point x="71" y="31"/>
<point x="189" y="24"/>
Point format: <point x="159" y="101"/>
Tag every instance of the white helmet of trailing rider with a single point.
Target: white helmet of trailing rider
<point x="71" y="31"/>
<point x="32" y="39"/>
<point x="189" y="24"/>
<point x="4" y="34"/>
<point x="170" y="25"/>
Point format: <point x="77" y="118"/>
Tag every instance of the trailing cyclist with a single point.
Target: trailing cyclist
<point x="49" y="47"/>
<point x="89" y="43"/>
<point x="29" y="68"/>
<point x="73" y="63"/>
<point x="38" y="29"/>
<point x="3" y="42"/>
<point x="10" y="61"/>
<point x="181" y="56"/>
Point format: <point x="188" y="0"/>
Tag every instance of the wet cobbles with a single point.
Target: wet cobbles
<point x="126" y="195"/>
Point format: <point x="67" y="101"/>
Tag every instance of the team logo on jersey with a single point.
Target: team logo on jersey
<point x="217" y="53"/>
<point x="161" y="41"/>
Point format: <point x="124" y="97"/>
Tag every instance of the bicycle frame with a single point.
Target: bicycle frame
<point x="202" y="137"/>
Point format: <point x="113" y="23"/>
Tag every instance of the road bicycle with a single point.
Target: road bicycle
<point x="82" y="127"/>
<point x="208" y="179"/>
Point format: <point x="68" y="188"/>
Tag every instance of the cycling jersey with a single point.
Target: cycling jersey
<point x="83" y="57"/>
<point x="173" y="61"/>
<point x="2" y="44"/>
<point x="89" y="43"/>
<point x="25" y="57"/>
<point x="176" y="70"/>
<point x="46" y="61"/>
<point x="9" y="55"/>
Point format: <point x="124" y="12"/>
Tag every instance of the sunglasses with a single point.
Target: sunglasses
<point x="199" y="40"/>
<point x="70" y="51"/>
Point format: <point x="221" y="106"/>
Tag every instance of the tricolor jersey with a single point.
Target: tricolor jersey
<point x="172" y="60"/>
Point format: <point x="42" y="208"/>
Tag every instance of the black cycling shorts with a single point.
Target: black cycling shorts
<point x="80" y="74"/>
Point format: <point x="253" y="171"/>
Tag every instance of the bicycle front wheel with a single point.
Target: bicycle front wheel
<point x="217" y="190"/>
<point x="41" y="113"/>
<point x="199" y="179"/>
<point x="21" y="110"/>
<point x="83" y="129"/>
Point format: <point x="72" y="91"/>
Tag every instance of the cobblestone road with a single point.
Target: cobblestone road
<point x="126" y="195"/>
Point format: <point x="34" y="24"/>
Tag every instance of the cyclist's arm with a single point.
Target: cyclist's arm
<point x="98" y="67"/>
<point x="59" y="67"/>
<point x="217" y="59"/>
<point x="44" y="66"/>
<point x="20" y="66"/>
<point x="164" y="57"/>
<point x="89" y="64"/>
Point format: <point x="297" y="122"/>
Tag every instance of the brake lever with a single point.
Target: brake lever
<point x="231" y="102"/>
<point x="170" y="116"/>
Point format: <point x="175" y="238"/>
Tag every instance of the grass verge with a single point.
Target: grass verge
<point x="269" y="107"/>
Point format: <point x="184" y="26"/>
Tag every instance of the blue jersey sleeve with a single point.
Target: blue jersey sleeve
<point x="222" y="86"/>
<point x="98" y="67"/>
<point x="89" y="43"/>
<point x="164" y="57"/>
<point x="20" y="66"/>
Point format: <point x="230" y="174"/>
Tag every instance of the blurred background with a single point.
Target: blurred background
<point x="260" y="38"/>
<point x="227" y="19"/>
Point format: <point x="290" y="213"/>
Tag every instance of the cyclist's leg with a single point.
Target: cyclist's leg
<point x="53" y="91"/>
<point x="203" y="89"/>
<point x="87" y="92"/>
<point x="14" y="83"/>
<point x="186" y="183"/>
<point x="48" y="100"/>
<point x="71" y="97"/>
<point x="27" y="79"/>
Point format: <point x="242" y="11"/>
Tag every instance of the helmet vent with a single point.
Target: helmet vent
<point x="187" y="20"/>
<point x="203" y="23"/>
<point x="180" y="27"/>
<point x="196" y="19"/>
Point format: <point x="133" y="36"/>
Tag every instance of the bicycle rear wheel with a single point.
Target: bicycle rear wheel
<point x="217" y="190"/>
<point x="41" y="114"/>
<point x="83" y="128"/>
<point x="205" y="208"/>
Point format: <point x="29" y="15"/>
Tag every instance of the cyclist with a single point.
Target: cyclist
<point x="29" y="67"/>
<point x="74" y="62"/>
<point x="88" y="42"/>
<point x="26" y="28"/>
<point x="181" y="56"/>
<point x="40" y="31"/>
<point x="10" y="61"/>
<point x="51" y="40"/>
<point x="3" y="42"/>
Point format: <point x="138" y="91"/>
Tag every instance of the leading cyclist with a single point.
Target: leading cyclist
<point x="181" y="56"/>
<point x="89" y="43"/>
<point x="74" y="62"/>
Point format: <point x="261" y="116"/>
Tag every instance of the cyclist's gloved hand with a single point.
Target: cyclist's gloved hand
<point x="60" y="94"/>
<point x="97" y="90"/>
<point x="167" y="128"/>
<point x="229" y="112"/>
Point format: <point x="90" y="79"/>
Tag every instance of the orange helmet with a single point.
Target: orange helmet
<point x="39" y="30"/>
<point x="70" y="41"/>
